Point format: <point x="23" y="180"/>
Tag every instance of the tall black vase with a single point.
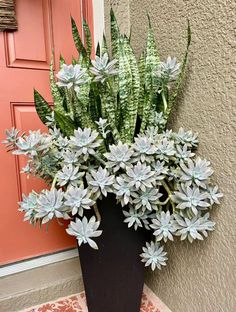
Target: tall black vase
<point x="113" y="275"/>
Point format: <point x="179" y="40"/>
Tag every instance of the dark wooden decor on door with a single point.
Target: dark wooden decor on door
<point x="7" y="15"/>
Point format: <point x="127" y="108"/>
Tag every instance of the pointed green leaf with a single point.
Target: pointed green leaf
<point x="135" y="86"/>
<point x="88" y="39"/>
<point x="42" y="107"/>
<point x="65" y="123"/>
<point x="115" y="34"/>
<point x="179" y="81"/>
<point x="76" y="36"/>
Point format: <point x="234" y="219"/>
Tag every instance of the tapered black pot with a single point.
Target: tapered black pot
<point x="113" y="275"/>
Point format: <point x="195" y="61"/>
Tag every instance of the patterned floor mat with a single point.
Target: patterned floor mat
<point x="77" y="303"/>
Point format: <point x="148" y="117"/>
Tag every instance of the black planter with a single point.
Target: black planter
<point x="113" y="275"/>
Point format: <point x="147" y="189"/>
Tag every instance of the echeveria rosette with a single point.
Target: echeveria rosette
<point x="191" y="198"/>
<point x="100" y="182"/>
<point x="154" y="255"/>
<point x="146" y="200"/>
<point x="50" y="204"/>
<point x="193" y="228"/>
<point x="85" y="142"/>
<point x="78" y="199"/>
<point x="140" y="176"/>
<point x="163" y="226"/>
<point x="102" y="69"/>
<point x="119" y="156"/>
<point x="84" y="230"/>
<point x="69" y="175"/>
<point x="72" y="76"/>
<point x="136" y="218"/>
<point x="196" y="171"/>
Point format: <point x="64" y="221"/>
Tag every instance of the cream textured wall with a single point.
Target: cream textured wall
<point x="200" y="277"/>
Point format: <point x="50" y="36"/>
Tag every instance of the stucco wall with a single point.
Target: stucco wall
<point x="201" y="276"/>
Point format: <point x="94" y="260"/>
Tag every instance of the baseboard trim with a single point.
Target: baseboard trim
<point x="37" y="262"/>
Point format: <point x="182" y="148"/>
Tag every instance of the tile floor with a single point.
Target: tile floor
<point x="77" y="303"/>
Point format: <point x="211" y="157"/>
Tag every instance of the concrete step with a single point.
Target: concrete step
<point x="39" y="285"/>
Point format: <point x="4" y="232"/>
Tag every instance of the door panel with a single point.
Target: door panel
<point x="30" y="46"/>
<point x="24" y="65"/>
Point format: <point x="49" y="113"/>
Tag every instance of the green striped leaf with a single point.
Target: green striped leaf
<point x="64" y="123"/>
<point x="115" y="34"/>
<point x="76" y="36"/>
<point x="125" y="84"/>
<point x="141" y="67"/>
<point x="179" y="81"/>
<point x="135" y="86"/>
<point x="88" y="39"/>
<point x="151" y="63"/>
<point x="56" y="95"/>
<point x="42" y="107"/>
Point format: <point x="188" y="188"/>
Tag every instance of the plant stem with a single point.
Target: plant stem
<point x="98" y="158"/>
<point x="169" y="193"/>
<point x="164" y="202"/>
<point x="164" y="100"/>
<point x="97" y="213"/>
<point x="54" y="182"/>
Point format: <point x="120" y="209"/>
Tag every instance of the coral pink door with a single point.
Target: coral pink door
<point x="24" y="65"/>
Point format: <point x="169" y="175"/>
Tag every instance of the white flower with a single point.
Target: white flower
<point x="163" y="226"/>
<point x="78" y="200"/>
<point x="72" y="76"/>
<point x="84" y="230"/>
<point x="154" y="255"/>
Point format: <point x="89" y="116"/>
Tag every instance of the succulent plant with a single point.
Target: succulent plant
<point x="148" y="199"/>
<point x="154" y="255"/>
<point x="193" y="228"/>
<point x="78" y="199"/>
<point x="50" y="205"/>
<point x="119" y="156"/>
<point x="84" y="229"/>
<point x="136" y="218"/>
<point x="162" y="225"/>
<point x="72" y="76"/>
<point x="100" y="182"/>
<point x="168" y="71"/>
<point x="191" y="197"/>
<point x="140" y="176"/>
<point x="103" y="69"/>
<point x="197" y="172"/>
<point x="69" y="175"/>
<point x="85" y="142"/>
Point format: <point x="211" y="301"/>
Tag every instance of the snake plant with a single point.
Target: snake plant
<point x="128" y="92"/>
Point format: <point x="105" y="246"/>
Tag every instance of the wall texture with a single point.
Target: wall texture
<point x="201" y="276"/>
